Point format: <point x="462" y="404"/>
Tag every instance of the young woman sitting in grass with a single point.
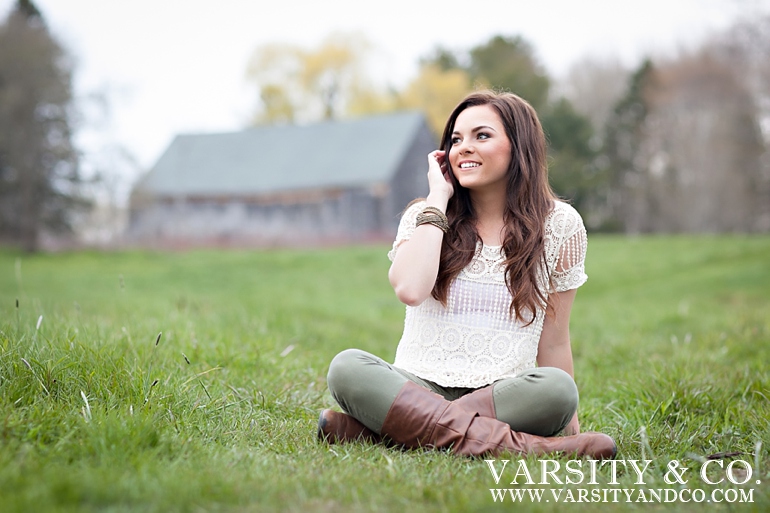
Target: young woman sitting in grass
<point x="488" y="266"/>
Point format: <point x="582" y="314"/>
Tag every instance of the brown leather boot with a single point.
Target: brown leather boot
<point x="480" y="401"/>
<point x="335" y="427"/>
<point x="421" y="418"/>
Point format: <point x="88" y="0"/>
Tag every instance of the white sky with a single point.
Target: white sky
<point x="174" y="66"/>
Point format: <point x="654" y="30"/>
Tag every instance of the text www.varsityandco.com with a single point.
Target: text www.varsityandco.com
<point x="580" y="481"/>
<point x="662" y="495"/>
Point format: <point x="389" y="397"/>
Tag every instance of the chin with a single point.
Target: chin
<point x="468" y="184"/>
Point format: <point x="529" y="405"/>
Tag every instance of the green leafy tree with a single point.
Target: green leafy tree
<point x="572" y="161"/>
<point x="39" y="172"/>
<point x="443" y="58"/>
<point x="509" y="63"/>
<point x="502" y="63"/>
<point x="623" y="146"/>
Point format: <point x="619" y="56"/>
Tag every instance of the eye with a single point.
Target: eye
<point x="455" y="140"/>
<point x="483" y="135"/>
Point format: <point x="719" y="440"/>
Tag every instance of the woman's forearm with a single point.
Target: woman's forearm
<point x="415" y="266"/>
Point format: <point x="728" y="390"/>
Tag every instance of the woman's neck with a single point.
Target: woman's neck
<point x="489" y="208"/>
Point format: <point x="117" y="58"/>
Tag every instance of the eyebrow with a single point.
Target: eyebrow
<point x="480" y="127"/>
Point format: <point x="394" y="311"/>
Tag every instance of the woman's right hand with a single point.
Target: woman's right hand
<point x="438" y="176"/>
<point x="415" y="267"/>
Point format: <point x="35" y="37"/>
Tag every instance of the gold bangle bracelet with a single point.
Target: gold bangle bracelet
<point x="434" y="210"/>
<point x="439" y="221"/>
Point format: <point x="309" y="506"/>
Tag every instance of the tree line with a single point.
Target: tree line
<point x="679" y="144"/>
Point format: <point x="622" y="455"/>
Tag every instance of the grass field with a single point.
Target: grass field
<point x="140" y="381"/>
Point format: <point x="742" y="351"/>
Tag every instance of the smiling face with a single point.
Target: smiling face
<point x="480" y="152"/>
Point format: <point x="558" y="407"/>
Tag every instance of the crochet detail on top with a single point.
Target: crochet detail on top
<point x="474" y="341"/>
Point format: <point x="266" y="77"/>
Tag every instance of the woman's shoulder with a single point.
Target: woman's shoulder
<point x="561" y="206"/>
<point x="564" y="218"/>
<point x="416" y="205"/>
<point x="563" y="209"/>
<point x="409" y="214"/>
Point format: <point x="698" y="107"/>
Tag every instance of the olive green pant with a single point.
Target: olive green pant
<point x="538" y="401"/>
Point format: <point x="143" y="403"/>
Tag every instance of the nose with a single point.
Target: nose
<point x="465" y="147"/>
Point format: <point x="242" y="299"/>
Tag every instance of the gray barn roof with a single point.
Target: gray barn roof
<point x="280" y="158"/>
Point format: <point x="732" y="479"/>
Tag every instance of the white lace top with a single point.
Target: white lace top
<point x="474" y="341"/>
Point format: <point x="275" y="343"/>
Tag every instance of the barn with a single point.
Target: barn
<point x="325" y="183"/>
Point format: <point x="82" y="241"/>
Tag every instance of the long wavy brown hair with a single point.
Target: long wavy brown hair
<point x="529" y="199"/>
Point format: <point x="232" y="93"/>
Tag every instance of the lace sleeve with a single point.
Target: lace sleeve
<point x="406" y="227"/>
<point x="569" y="233"/>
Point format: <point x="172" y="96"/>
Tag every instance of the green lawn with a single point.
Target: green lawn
<point x="671" y="338"/>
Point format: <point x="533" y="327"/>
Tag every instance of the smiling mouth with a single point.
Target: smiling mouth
<point x="469" y="165"/>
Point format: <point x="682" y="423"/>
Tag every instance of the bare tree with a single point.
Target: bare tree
<point x="593" y="86"/>
<point x="745" y="48"/>
<point x="685" y="148"/>
<point x="703" y="147"/>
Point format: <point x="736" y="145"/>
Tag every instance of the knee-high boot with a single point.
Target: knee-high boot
<point x="481" y="401"/>
<point x="335" y="427"/>
<point x="421" y="418"/>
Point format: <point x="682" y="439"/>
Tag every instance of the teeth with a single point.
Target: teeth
<point x="466" y="165"/>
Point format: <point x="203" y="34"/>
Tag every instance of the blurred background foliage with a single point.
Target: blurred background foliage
<point x="678" y="144"/>
<point x="39" y="173"/>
